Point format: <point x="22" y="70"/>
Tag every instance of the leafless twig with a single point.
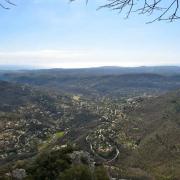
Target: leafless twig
<point x="5" y="4"/>
<point x="162" y="9"/>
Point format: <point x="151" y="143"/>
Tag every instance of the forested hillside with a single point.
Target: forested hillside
<point x="111" y="126"/>
<point x="95" y="82"/>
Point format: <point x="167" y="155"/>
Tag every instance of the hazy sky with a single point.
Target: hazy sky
<point x="56" y="33"/>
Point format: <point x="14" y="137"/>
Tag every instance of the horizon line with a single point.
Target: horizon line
<point x="32" y="67"/>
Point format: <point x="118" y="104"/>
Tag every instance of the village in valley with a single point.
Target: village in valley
<point x="35" y="126"/>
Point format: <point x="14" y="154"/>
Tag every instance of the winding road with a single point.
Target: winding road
<point x="97" y="155"/>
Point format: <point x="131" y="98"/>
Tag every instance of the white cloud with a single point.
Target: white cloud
<point x="42" y="54"/>
<point x="88" y="58"/>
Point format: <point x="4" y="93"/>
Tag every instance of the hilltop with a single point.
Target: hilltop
<point x="104" y="81"/>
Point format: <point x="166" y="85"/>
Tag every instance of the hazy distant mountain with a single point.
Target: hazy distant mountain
<point x="108" y="81"/>
<point x="16" y="67"/>
<point x="106" y="70"/>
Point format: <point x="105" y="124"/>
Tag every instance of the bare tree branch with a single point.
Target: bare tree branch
<point x="163" y="9"/>
<point x="5" y="4"/>
<point x="167" y="10"/>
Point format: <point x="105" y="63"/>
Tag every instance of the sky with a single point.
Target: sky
<point x="59" y="34"/>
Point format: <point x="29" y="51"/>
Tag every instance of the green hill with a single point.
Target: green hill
<point x="154" y="125"/>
